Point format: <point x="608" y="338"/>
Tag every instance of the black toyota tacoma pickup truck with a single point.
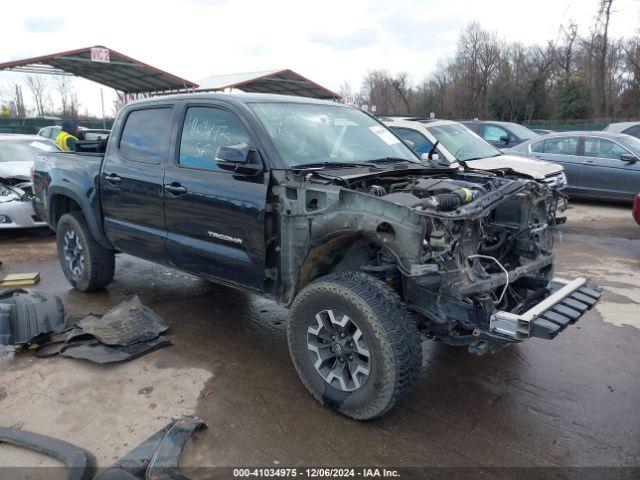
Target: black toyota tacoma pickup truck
<point x="320" y="207"/>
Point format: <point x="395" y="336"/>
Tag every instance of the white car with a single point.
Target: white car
<point x="17" y="154"/>
<point x="90" y="134"/>
<point x="449" y="143"/>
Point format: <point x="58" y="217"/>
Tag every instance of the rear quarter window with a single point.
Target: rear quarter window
<point x="146" y="134"/>
<point x="537" y="147"/>
<point x="561" y="145"/>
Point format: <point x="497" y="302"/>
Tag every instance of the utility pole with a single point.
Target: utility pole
<point x="104" y="125"/>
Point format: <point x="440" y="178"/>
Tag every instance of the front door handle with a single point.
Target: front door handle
<point x="112" y="178"/>
<point x="589" y="162"/>
<point x="175" y="188"/>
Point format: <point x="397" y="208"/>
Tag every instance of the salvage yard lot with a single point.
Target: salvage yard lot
<point x="571" y="401"/>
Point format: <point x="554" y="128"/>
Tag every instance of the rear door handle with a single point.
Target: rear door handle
<point x="590" y="162"/>
<point x="112" y="178"/>
<point x="175" y="188"/>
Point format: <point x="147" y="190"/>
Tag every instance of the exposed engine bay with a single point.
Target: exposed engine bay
<point x="15" y="204"/>
<point x="457" y="247"/>
<point x="15" y="189"/>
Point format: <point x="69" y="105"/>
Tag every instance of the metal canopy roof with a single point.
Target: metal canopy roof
<point x="285" y="82"/>
<point x="113" y="70"/>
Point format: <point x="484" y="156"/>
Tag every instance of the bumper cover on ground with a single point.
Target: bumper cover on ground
<point x="566" y="303"/>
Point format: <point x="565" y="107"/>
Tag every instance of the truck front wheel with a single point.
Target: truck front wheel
<point x="87" y="265"/>
<point x="354" y="344"/>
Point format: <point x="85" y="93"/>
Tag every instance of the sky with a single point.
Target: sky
<point x="328" y="41"/>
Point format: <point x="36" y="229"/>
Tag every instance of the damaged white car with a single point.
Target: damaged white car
<point x="17" y="154"/>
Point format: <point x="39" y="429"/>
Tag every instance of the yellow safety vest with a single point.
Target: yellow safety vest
<point x="61" y="140"/>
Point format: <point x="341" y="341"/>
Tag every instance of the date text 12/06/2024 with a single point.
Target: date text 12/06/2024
<point x="316" y="472"/>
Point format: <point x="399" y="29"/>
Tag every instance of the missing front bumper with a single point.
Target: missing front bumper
<point x="567" y="302"/>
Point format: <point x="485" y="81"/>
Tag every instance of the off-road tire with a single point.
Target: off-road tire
<point x="387" y="325"/>
<point x="98" y="262"/>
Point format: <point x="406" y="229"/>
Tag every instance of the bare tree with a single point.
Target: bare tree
<point x="572" y="77"/>
<point x="390" y="94"/>
<point x="597" y="49"/>
<point x="605" y="17"/>
<point x="565" y="53"/>
<point x="67" y="95"/>
<point x="39" y="86"/>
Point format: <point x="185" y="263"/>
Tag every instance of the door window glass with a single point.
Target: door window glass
<point x="146" y="134"/>
<point x="205" y="130"/>
<point x="633" y="131"/>
<point x="493" y="133"/>
<point x="420" y="143"/>
<point x="603" y="148"/>
<point x="561" y="145"/>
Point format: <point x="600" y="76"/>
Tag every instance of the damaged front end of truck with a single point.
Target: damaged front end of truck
<point x="471" y="253"/>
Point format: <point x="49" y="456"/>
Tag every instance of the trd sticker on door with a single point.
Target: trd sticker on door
<point x="226" y="238"/>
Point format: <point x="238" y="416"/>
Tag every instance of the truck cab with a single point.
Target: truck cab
<point x="322" y="208"/>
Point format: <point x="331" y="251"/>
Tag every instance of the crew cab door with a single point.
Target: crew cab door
<point x="215" y="218"/>
<point x="131" y="182"/>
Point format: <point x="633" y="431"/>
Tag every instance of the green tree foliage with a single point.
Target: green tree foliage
<point x="573" y="101"/>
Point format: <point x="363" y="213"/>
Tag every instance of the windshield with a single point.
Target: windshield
<point x="24" y="150"/>
<point x="315" y="133"/>
<point x="632" y="143"/>
<point x="462" y="143"/>
<point x="523" y="132"/>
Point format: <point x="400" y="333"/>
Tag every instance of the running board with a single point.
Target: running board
<point x="568" y="301"/>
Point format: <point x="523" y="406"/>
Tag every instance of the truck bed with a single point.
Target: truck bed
<point x="81" y="171"/>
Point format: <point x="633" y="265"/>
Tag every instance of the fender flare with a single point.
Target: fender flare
<point x="95" y="228"/>
<point x="80" y="464"/>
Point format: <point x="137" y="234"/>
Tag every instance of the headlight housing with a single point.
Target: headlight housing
<point x="557" y="181"/>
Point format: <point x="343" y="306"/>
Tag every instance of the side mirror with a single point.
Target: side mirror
<point x="433" y="160"/>
<point x="627" y="157"/>
<point x="504" y="139"/>
<point x="237" y="158"/>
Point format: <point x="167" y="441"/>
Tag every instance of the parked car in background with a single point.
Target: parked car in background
<point x="50" y="132"/>
<point x="17" y="154"/>
<point x="597" y="164"/>
<point x="501" y="134"/>
<point x="89" y="134"/>
<point x="630" y="128"/>
<point x="541" y="131"/>
<point x="636" y="209"/>
<point x="457" y="144"/>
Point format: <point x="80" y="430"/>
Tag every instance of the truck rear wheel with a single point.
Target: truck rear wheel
<point x="354" y="344"/>
<point x="87" y="265"/>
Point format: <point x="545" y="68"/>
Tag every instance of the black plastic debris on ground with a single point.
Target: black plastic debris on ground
<point x="125" y="332"/>
<point x="127" y="323"/>
<point x="80" y="463"/>
<point x="100" y="353"/>
<point x="157" y="457"/>
<point x="24" y="315"/>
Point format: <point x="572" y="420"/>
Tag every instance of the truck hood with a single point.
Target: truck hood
<point x="536" y="169"/>
<point x="20" y="170"/>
